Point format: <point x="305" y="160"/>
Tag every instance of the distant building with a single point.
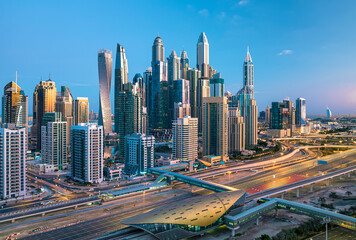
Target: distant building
<point x="215" y="126"/>
<point x="184" y="65"/>
<point x="44" y="99"/>
<point x="217" y="88"/>
<point x="193" y="75"/>
<point x="300" y="112"/>
<point x="268" y="115"/>
<point x="13" y="142"/>
<point x="139" y="153"/>
<point x="181" y="91"/>
<point x="105" y="69"/>
<point x="185" y="139"/>
<point x="328" y="112"/>
<point x="181" y="110"/>
<point x="236" y="127"/>
<point x="81" y="110"/>
<point x="282" y="117"/>
<point x="203" y="55"/>
<point x="113" y="172"/>
<point x="87" y="148"/>
<point x="14" y="105"/>
<point x="54" y="140"/>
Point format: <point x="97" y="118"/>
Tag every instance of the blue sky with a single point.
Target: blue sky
<point x="299" y="48"/>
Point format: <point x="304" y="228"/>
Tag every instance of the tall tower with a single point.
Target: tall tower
<point x="14" y="105"/>
<point x="246" y="102"/>
<point x="301" y="112"/>
<point x="81" y="110"/>
<point x="203" y="55"/>
<point x="236" y="130"/>
<point x="173" y="75"/>
<point x="184" y="64"/>
<point x="121" y="77"/>
<point x="193" y="75"/>
<point x="44" y="99"/>
<point x="215" y="127"/>
<point x="105" y="69"/>
<point x="159" y="87"/>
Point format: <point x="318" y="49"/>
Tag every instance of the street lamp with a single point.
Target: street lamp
<point x="326" y="220"/>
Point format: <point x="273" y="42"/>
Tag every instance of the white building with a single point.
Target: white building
<point x="185" y="138"/>
<point x="13" y="144"/>
<point x="54" y="140"/>
<point x="87" y="147"/>
<point x="139" y="153"/>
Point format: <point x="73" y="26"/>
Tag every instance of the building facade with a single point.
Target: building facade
<point x="181" y="110"/>
<point x="203" y="55"/>
<point x="300" y="112"/>
<point x="13" y="149"/>
<point x="215" y="127"/>
<point x="139" y="153"/>
<point x="81" y="114"/>
<point x="87" y="148"/>
<point x="193" y="75"/>
<point x="185" y="139"/>
<point x="105" y="70"/>
<point x="236" y="130"/>
<point x="217" y="88"/>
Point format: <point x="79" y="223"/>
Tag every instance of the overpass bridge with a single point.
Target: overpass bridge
<point x="233" y="222"/>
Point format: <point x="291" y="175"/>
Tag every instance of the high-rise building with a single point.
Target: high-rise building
<point x="121" y="78"/>
<point x="185" y="139"/>
<point x="81" y="110"/>
<point x="247" y="104"/>
<point x="184" y="65"/>
<point x="203" y="91"/>
<point x="44" y="100"/>
<point x="130" y="114"/>
<point x="147" y="79"/>
<point x="65" y="105"/>
<point x="300" y="112"/>
<point x="282" y="116"/>
<point x="268" y="115"/>
<point x="217" y="86"/>
<point x="203" y="55"/>
<point x="105" y="69"/>
<point x="181" y="91"/>
<point x="87" y="163"/>
<point x="236" y="130"/>
<point x="193" y="75"/>
<point x="174" y="74"/>
<point x="215" y="127"/>
<point x="181" y="110"/>
<point x="13" y="142"/>
<point x="142" y="87"/>
<point x="14" y="105"/>
<point x="328" y="112"/>
<point x="139" y="153"/>
<point x="54" y="140"/>
<point x="158" y="111"/>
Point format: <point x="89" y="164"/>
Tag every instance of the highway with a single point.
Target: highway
<point x="112" y="222"/>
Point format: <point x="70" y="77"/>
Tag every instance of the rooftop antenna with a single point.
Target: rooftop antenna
<point x="16" y="83"/>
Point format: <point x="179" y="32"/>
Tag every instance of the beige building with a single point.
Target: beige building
<point x="251" y="123"/>
<point x="181" y="110"/>
<point x="81" y="110"/>
<point x="185" y="138"/>
<point x="236" y="130"/>
<point x="215" y="126"/>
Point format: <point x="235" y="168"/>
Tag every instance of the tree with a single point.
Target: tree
<point x="333" y="195"/>
<point x="264" y="237"/>
<point x="348" y="193"/>
<point x="321" y="200"/>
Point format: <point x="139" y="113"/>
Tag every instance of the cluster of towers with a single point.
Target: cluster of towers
<point x="170" y="90"/>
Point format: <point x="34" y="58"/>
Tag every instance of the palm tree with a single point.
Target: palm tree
<point x="321" y="200"/>
<point x="333" y="195"/>
<point x="348" y="193"/>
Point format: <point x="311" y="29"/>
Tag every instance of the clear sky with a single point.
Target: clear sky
<point x="299" y="48"/>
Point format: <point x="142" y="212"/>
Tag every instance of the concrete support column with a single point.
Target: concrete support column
<point x="311" y="187"/>
<point x="349" y="174"/>
<point x="76" y="206"/>
<point x="257" y="222"/>
<point x="191" y="188"/>
<point x="327" y="182"/>
<point x="282" y="197"/>
<point x="297" y="192"/>
<point x="43" y="214"/>
<point x="276" y="212"/>
<point x="340" y="177"/>
<point x="233" y="232"/>
<point x="12" y="220"/>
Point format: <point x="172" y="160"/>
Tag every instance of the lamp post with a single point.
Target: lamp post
<point x="326" y="220"/>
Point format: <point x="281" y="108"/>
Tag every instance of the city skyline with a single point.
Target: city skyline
<point x="279" y="56"/>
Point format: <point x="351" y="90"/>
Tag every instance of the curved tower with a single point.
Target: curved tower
<point x="248" y="71"/>
<point x="203" y="55"/>
<point x="105" y="69"/>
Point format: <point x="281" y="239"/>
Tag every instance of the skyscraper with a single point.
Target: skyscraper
<point x="105" y="69"/>
<point x="193" y="75"/>
<point x="268" y="115"/>
<point x="328" y="112"/>
<point x="185" y="139"/>
<point x="300" y="112"/>
<point x="44" y="99"/>
<point x="139" y="153"/>
<point x="215" y="127"/>
<point x="121" y="77"/>
<point x="87" y="148"/>
<point x="13" y="142"/>
<point x="184" y="65"/>
<point x="81" y="110"/>
<point x="14" y="105"/>
<point x="54" y="140"/>
<point x="147" y="79"/>
<point x="174" y="74"/>
<point x="236" y="128"/>
<point x="203" y="55"/>
<point x="142" y="87"/>
<point x="65" y="105"/>
<point x="217" y="88"/>
<point x="130" y="114"/>
<point x="158" y="111"/>
<point x="181" y="110"/>
<point x="203" y="91"/>
<point x="181" y="91"/>
<point x="247" y="104"/>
